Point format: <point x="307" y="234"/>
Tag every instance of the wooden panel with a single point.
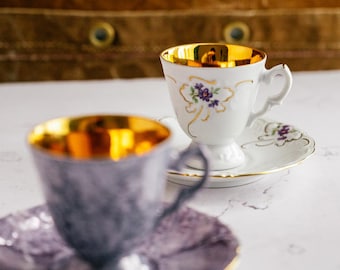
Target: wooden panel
<point x="209" y="5"/>
<point x="40" y="44"/>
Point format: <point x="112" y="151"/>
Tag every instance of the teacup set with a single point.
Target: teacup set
<point x="104" y="175"/>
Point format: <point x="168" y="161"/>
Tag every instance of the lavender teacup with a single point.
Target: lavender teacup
<point x="103" y="177"/>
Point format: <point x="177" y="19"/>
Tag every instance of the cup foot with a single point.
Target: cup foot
<point x="222" y="157"/>
<point x="133" y="262"/>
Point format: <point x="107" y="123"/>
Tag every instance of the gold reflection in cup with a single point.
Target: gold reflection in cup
<point x="212" y="55"/>
<point x="101" y="136"/>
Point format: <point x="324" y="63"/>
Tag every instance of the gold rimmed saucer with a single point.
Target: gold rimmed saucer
<point x="269" y="147"/>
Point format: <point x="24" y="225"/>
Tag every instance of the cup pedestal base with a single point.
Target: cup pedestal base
<point x="132" y="261"/>
<point x="222" y="157"/>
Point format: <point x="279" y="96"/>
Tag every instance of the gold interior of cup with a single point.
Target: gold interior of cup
<point x="212" y="55"/>
<point x="101" y="136"/>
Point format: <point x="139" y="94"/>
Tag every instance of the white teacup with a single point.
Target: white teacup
<point x="213" y="89"/>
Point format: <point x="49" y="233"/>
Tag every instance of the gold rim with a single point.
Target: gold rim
<point x="235" y="261"/>
<point x="218" y="55"/>
<point x="232" y="176"/>
<point x="100" y="137"/>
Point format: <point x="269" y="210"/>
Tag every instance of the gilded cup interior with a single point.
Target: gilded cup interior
<point x="99" y="136"/>
<point x="212" y="55"/>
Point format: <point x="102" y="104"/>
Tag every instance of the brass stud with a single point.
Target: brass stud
<point x="236" y="32"/>
<point x="102" y="34"/>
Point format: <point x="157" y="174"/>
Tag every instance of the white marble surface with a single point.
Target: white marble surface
<point x="287" y="220"/>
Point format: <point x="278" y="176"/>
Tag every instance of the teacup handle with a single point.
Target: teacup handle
<point x="267" y="77"/>
<point x="201" y="152"/>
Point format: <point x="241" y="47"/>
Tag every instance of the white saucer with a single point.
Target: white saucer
<point x="269" y="146"/>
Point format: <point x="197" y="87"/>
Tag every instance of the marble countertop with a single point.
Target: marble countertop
<point x="287" y="220"/>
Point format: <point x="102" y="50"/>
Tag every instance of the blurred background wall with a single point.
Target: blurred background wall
<point x="102" y="39"/>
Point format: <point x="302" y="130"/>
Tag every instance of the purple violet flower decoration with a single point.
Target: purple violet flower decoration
<point x="283" y="132"/>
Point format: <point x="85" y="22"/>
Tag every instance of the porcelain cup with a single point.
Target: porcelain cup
<point x="104" y="177"/>
<point x="214" y="88"/>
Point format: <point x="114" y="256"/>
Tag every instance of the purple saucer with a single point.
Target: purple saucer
<point x="185" y="240"/>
